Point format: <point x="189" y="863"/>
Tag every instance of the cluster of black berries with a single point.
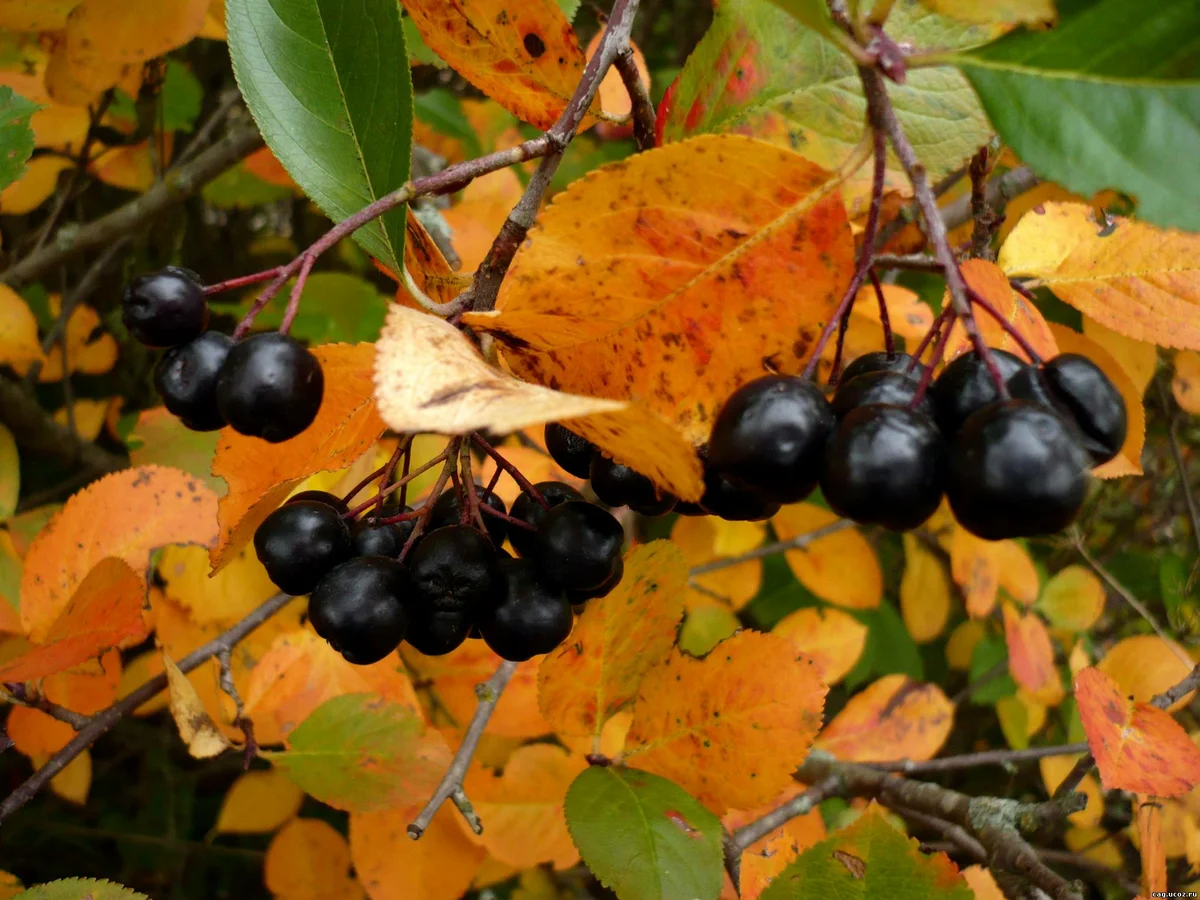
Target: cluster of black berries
<point x="267" y="386"/>
<point x="455" y="581"/>
<point x="883" y="454"/>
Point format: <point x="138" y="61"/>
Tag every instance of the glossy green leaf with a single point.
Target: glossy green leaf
<point x="760" y="72"/>
<point x="359" y="753"/>
<point x="16" y="135"/>
<point x="869" y="859"/>
<point x="1108" y="99"/>
<point x="328" y="84"/>
<point x="643" y="836"/>
<point x="80" y="889"/>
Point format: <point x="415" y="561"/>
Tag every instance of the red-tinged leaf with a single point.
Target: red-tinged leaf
<point x="990" y="282"/>
<point x="524" y="55"/>
<point x="126" y="514"/>
<point x="1031" y="655"/>
<point x="104" y="612"/>
<point x="719" y="729"/>
<point x="597" y="671"/>
<point x="1138" y="747"/>
<point x="1151" y="846"/>
<point x="894" y="718"/>
<point x="260" y="475"/>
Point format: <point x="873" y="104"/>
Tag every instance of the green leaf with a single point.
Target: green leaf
<point x="760" y="72"/>
<point x="813" y="14"/>
<point x="328" y="84"/>
<point x="16" y="135"/>
<point x="990" y="652"/>
<point x="442" y="111"/>
<point x="643" y="836"/>
<point x="569" y="8"/>
<point x="705" y="627"/>
<point x="239" y="188"/>
<point x="869" y="859"/>
<point x="80" y="889"/>
<point x="359" y="753"/>
<point x="1105" y="100"/>
<point x="337" y="308"/>
<point x="889" y="650"/>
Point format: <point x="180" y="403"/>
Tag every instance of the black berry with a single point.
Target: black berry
<point x="1095" y="404"/>
<point x="879" y="361"/>
<point x="618" y="485"/>
<point x="186" y="379"/>
<point x="572" y="452"/>
<point x="532" y="619"/>
<point x="966" y="385"/>
<point x="885" y="466"/>
<point x="578" y="545"/>
<point x="165" y="308"/>
<point x="529" y="510"/>
<point x="436" y="633"/>
<point x="879" y="388"/>
<point x="299" y="542"/>
<point x="734" y="504"/>
<point x="370" y="539"/>
<point x="448" y="511"/>
<point x="359" y="608"/>
<point x="322" y="497"/>
<point x="662" y="505"/>
<point x="578" y="597"/>
<point x="454" y="569"/>
<point x="270" y="387"/>
<point x="769" y="437"/>
<point x="1016" y="470"/>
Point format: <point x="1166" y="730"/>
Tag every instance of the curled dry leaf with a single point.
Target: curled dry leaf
<point x="199" y="732"/>
<point x="894" y="718"/>
<point x="1140" y="281"/>
<point x="430" y="378"/>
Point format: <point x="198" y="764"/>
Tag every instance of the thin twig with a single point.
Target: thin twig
<point x="799" y="805"/>
<point x="984" y="221"/>
<point x="799" y="542"/>
<point x="1000" y="190"/>
<point x="225" y="659"/>
<point x="917" y="262"/>
<point x="19" y="696"/>
<point x="451" y="785"/>
<point x="642" y="109"/>
<point x="983" y="758"/>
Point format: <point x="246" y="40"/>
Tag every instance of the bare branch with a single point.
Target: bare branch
<point x="1189" y="498"/>
<point x="642" y="109"/>
<point x="40" y="435"/>
<point x="983" y="758"/>
<point x="799" y="542"/>
<point x="830" y="786"/>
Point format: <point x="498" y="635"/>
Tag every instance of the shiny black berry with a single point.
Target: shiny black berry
<point x="300" y="542"/>
<point x="879" y="361"/>
<point x="436" y="633"/>
<point x="270" y="387"/>
<point x="454" y="569"/>
<point x="734" y="504"/>
<point x="769" y="437"/>
<point x="1016" y="470"/>
<point x="448" y="511"/>
<point x="618" y="485"/>
<point x="578" y="545"/>
<point x="885" y="466"/>
<point x="661" y="505"/>
<point x="186" y="379"/>
<point x="529" y="510"/>
<point x="165" y="308"/>
<point x="880" y="388"/>
<point x="1095" y="404"/>
<point x="322" y="497"/>
<point x="359" y="608"/>
<point x="370" y="539"/>
<point x="533" y="618"/>
<point x="572" y="452"/>
<point x="575" y="598"/>
<point x="966" y="385"/>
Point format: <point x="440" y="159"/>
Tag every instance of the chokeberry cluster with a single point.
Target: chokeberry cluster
<point x="377" y="581"/>
<point x="267" y="385"/>
<point x="885" y="452"/>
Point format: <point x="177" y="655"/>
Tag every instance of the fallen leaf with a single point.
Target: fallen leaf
<point x="196" y="728"/>
<point x="840" y="567"/>
<point x="1137" y="747"/>
<point x="1072" y="599"/>
<point x="258" y="803"/>
<point x="392" y="866"/>
<point x="894" y="718"/>
<point x="831" y="638"/>
<point x="309" y="860"/>
<point x="1031" y="655"/>
<point x="729" y="739"/>
<point x="924" y="592"/>
<point x="1185" y="382"/>
<point x="1139" y="280"/>
<point x="986" y="279"/>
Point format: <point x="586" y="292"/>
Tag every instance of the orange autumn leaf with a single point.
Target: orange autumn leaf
<point x="696" y="291"/>
<point x="452" y="679"/>
<point x="135" y="167"/>
<point x="37" y="734"/>
<point x="1144" y="665"/>
<point x="987" y="279"/>
<point x="924" y="592"/>
<point x="730" y="738"/>
<point x="132" y="33"/>
<point x="1031" y="655"/>
<point x="613" y="97"/>
<point x="975" y="567"/>
<point x="126" y="514"/>
<point x="705" y="539"/>
<point x="309" y="860"/>
<point x="894" y="718"/>
<point x="1139" y="359"/>
<point x="427" y="266"/>
<point x="1017" y="575"/>
<point x="262" y="163"/>
<point x="477" y="218"/>
<point x="260" y="475"/>
<point x="768" y="856"/>
<point x="982" y="883"/>
<point x="841" y="567"/>
<point x="35" y="15"/>
<point x="597" y="671"/>
<point x="1138" y="747"/>
<point x="392" y="866"/>
<point x="831" y="638"/>
<point x="1150" y="817"/>
<point x="104" y="612"/>
<point x="1139" y="280"/>
<point x="523" y="806"/>
<point x="1185" y="381"/>
<point x="908" y="316"/>
<point x="524" y="55"/>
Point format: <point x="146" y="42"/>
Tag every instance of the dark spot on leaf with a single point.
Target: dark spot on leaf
<point x="853" y="864"/>
<point x="534" y="45"/>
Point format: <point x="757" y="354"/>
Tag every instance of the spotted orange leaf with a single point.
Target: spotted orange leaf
<point x="524" y="55"/>
<point x="841" y="567"/>
<point x="260" y="475"/>
<point x="126" y="514"/>
<point x="894" y="718"/>
<point x="975" y="567"/>
<point x="131" y="33"/>
<point x="1031" y="655"/>
<point x="768" y="856"/>
<point x="1144" y="665"/>
<point x="987" y="279"/>
<point x="1138" y="747"/>
<point x="618" y="638"/>
<point x="730" y="737"/>
<point x="831" y="638"/>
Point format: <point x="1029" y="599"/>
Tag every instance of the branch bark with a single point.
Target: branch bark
<point x="799" y="542"/>
<point x="644" y="117"/>
<point x="38" y="434"/>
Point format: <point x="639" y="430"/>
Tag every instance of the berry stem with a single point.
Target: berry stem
<point x="378" y="473"/>
<point x="836" y="369"/>
<point x="450" y="457"/>
<point x="987" y="306"/>
<point x="885" y="320"/>
<point x="930" y="335"/>
<point x="293" y="306"/>
<point x="260" y="303"/>
<point x="935" y="357"/>
<point x="512" y="470"/>
<point x="505" y="517"/>
<point x="404" y="475"/>
<point x="441" y="457"/>
<point x="244" y="281"/>
<point x="471" y="511"/>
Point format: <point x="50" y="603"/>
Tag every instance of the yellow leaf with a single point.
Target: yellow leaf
<point x="197" y="729"/>
<point x="224" y="597"/>
<point x="618" y="638"/>
<point x="1145" y="665"/>
<point x="705" y="626"/>
<point x="831" y="638"/>
<point x="961" y="644"/>
<point x="986" y="279"/>
<point x="731" y="738"/>
<point x="89" y="417"/>
<point x="132" y="33"/>
<point x="1073" y="599"/>
<point x="704" y="539"/>
<point x="924" y="592"/>
<point x="1140" y="281"/>
<point x="35" y="15"/>
<point x="982" y="883"/>
<point x="1079" y="658"/>
<point x="840" y="567"/>
<point x="1021" y="717"/>
<point x="18" y="328"/>
<point x="90" y="353"/>
<point x="137" y="672"/>
<point x="894" y="718"/>
<point x="73" y="782"/>
<point x="392" y="866"/>
<point x="258" y="803"/>
<point x="309" y="860"/>
<point x="1054" y="771"/>
<point x="1139" y="359"/>
<point x="1095" y="844"/>
<point x="997" y="12"/>
<point x="1016" y="573"/>
<point x="1185" y="383"/>
<point x="37" y="183"/>
<point x="10" y="474"/>
<point x="61" y="127"/>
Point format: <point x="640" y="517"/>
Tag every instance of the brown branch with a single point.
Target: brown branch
<point x="799" y="542"/>
<point x="18" y="695"/>
<point x="102" y="721"/>
<point x="999" y="191"/>
<point x="1189" y="498"/>
<point x="642" y="109"/>
<point x="732" y="855"/>
<point x="916" y="261"/>
<point x="831" y="786"/>
<point x="983" y="758"/>
<point x="984" y="220"/>
<point x="451" y="785"/>
<point x="40" y="435"/>
<point x="177" y="186"/>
